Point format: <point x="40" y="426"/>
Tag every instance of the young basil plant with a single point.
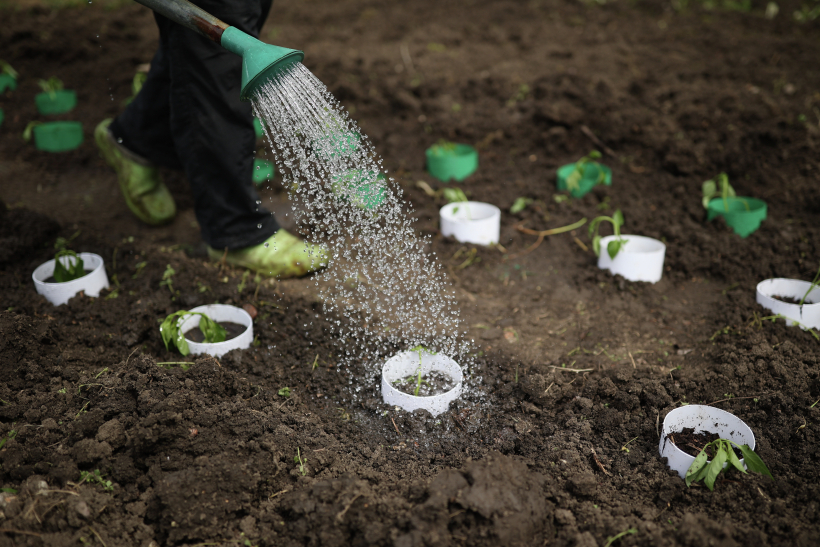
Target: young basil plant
<point x="74" y="270"/>
<point x="453" y="195"/>
<point x="614" y="246"/>
<point x="718" y="187"/>
<point x="420" y="349"/>
<point x="520" y="204"/>
<point x="574" y="178"/>
<point x="443" y="147"/>
<point x="701" y="469"/>
<point x="51" y="86"/>
<point x="172" y="335"/>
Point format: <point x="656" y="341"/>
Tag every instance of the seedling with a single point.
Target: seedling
<point x="74" y="270"/>
<point x="612" y="539"/>
<point x="136" y="86"/>
<point x="29" y="130"/>
<point x="6" y="68"/>
<point x="51" y="86"/>
<point x="168" y="278"/>
<point x="284" y="392"/>
<point x="88" y="476"/>
<point x="420" y="349"/>
<point x="719" y="187"/>
<point x="624" y="447"/>
<point x="520" y="204"/>
<point x="298" y="459"/>
<point x="709" y="471"/>
<point x="456" y="195"/>
<point x="574" y="178"/>
<point x="443" y="147"/>
<point x="814" y="283"/>
<point x="172" y="335"/>
<point x="10" y="435"/>
<point x="614" y="246"/>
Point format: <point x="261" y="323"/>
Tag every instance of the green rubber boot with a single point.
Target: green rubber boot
<point x="146" y="195"/>
<point x="282" y="255"/>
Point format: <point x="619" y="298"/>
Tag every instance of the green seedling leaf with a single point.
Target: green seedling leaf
<point x="29" y="130"/>
<point x="172" y="335"/>
<point x="284" y="392"/>
<point x="715" y="467"/>
<point x="617" y="221"/>
<point x="51" y="86"/>
<point x="454" y="195"/>
<point x="753" y="461"/>
<point x="443" y="147"/>
<point x="733" y="459"/>
<point x="212" y="330"/>
<point x="6" y="68"/>
<point x="692" y="474"/>
<point x="719" y="186"/>
<point x="520" y="204"/>
<point x="613" y="247"/>
<point x="74" y="270"/>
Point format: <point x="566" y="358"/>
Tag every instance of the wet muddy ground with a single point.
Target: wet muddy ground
<point x="556" y="442"/>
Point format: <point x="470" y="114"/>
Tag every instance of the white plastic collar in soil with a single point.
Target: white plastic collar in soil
<point x="59" y="293"/>
<point x="701" y="418"/>
<point x="220" y="313"/>
<point x="406" y="364"/>
<point x="471" y="222"/>
<point x="808" y="316"/>
<point x="640" y="258"/>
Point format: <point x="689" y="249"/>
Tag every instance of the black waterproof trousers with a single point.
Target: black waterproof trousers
<point x="188" y="116"/>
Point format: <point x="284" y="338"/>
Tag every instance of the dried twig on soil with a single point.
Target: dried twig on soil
<point x="394" y="425"/>
<point x="341" y="514"/>
<point x="588" y="132"/>
<point x="732" y="398"/>
<point x="575" y="370"/>
<point x="13" y="531"/>
<point x="594" y="455"/>
<point x="98" y="536"/>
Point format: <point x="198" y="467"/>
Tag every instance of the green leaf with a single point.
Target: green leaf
<point x="454" y="195"/>
<point x="617" y="221"/>
<point x="29" y="130"/>
<point x="574" y="178"/>
<point x="594" y="155"/>
<point x="753" y="461"/>
<point x="520" y="204"/>
<point x="715" y="467"/>
<point x="708" y="190"/>
<point x="213" y="331"/>
<point x="74" y="270"/>
<point x="695" y="469"/>
<point x="613" y="247"/>
<point x="733" y="459"/>
<point x="284" y="392"/>
<point x="596" y="245"/>
<point x="6" y="68"/>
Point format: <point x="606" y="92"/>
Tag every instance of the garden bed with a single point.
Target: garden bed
<point x="556" y="437"/>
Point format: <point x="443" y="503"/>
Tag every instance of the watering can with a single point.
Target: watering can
<point x="260" y="61"/>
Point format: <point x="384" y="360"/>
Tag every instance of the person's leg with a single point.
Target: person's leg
<point x="212" y="129"/>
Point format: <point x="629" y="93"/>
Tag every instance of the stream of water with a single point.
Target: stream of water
<point x="381" y="275"/>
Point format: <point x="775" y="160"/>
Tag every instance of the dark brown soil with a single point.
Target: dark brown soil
<point x="787" y="299"/>
<point x="206" y="455"/>
<point x="434" y="383"/>
<point x="693" y="443"/>
<point x="232" y="330"/>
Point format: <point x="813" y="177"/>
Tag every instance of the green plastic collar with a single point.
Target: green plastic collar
<point x="260" y="61"/>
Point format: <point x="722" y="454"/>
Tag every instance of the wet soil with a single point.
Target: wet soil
<point x="572" y="363"/>
<point x="693" y="443"/>
<point x="434" y="383"/>
<point x="787" y="299"/>
<point x="52" y="280"/>
<point x="232" y="330"/>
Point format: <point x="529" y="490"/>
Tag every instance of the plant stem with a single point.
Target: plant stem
<point x="814" y="283"/>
